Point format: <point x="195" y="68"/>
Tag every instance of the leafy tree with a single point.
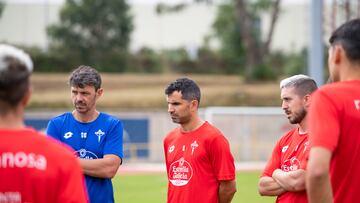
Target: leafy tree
<point x="2" y="6"/>
<point x="227" y="31"/>
<point x="96" y="32"/>
<point x="256" y="49"/>
<point x="237" y="28"/>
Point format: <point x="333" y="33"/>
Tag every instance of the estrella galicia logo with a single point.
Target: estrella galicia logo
<point x="292" y="164"/>
<point x="84" y="154"/>
<point x="180" y="172"/>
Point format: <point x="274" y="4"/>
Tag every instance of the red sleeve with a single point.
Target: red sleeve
<point x="165" y="153"/>
<point x="323" y="122"/>
<point x="73" y="188"/>
<point x="222" y="159"/>
<point x="274" y="162"/>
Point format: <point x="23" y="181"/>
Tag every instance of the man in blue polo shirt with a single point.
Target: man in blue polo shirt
<point x="96" y="137"/>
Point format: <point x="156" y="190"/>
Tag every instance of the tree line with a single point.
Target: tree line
<point x="98" y="33"/>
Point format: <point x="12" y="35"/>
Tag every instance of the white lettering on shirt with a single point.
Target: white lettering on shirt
<point x="22" y="160"/>
<point x="7" y="197"/>
<point x="357" y="104"/>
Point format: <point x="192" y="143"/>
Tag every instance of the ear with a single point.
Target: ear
<point x="26" y="98"/>
<point x="99" y="92"/>
<point x="194" y="105"/>
<point x="338" y="54"/>
<point x="307" y="100"/>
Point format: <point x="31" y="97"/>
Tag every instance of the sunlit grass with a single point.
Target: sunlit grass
<point x="152" y="188"/>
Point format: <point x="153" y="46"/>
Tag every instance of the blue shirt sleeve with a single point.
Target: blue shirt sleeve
<point x="52" y="130"/>
<point x="114" y="140"/>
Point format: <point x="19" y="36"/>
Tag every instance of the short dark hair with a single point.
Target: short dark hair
<point x="303" y="84"/>
<point x="348" y="36"/>
<point x="15" y="70"/>
<point x="85" y="76"/>
<point x="188" y="88"/>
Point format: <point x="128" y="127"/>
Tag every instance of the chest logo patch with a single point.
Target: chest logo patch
<point x="171" y="149"/>
<point x="180" y="172"/>
<point x="292" y="164"/>
<point x="194" y="145"/>
<point x="68" y="135"/>
<point x="284" y="148"/>
<point x="83" y="135"/>
<point x="306" y="146"/>
<point x="84" y="154"/>
<point x="99" y="134"/>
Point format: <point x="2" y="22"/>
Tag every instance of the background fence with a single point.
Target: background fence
<point x="251" y="131"/>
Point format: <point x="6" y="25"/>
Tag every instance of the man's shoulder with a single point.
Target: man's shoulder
<point x="338" y="87"/>
<point x="211" y="131"/>
<point x="288" y="135"/>
<point x="51" y="146"/>
<point x="330" y="88"/>
<point x="62" y="117"/>
<point x="337" y="94"/>
<point x="109" y="118"/>
<point x="174" y="132"/>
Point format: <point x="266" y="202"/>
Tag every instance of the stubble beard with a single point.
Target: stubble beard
<point x="180" y="120"/>
<point x="81" y="107"/>
<point x="298" y="117"/>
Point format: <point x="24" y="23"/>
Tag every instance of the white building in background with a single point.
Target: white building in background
<point x="25" y="21"/>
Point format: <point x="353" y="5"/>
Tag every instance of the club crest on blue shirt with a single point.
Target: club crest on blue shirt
<point x="99" y="134"/>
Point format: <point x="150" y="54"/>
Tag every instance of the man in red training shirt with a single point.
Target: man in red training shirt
<point x="199" y="164"/>
<point x="284" y="174"/>
<point x="33" y="168"/>
<point x="333" y="169"/>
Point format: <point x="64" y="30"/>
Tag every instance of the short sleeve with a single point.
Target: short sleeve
<point x="165" y="147"/>
<point x="323" y="122"/>
<point x="52" y="130"/>
<point x="274" y="161"/>
<point x="114" y="140"/>
<point x="222" y="159"/>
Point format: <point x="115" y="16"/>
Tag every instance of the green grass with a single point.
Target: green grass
<point x="152" y="188"/>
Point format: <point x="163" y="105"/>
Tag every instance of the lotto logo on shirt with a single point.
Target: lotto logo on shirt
<point x="180" y="172"/>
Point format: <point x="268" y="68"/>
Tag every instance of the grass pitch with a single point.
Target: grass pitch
<point x="152" y="188"/>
